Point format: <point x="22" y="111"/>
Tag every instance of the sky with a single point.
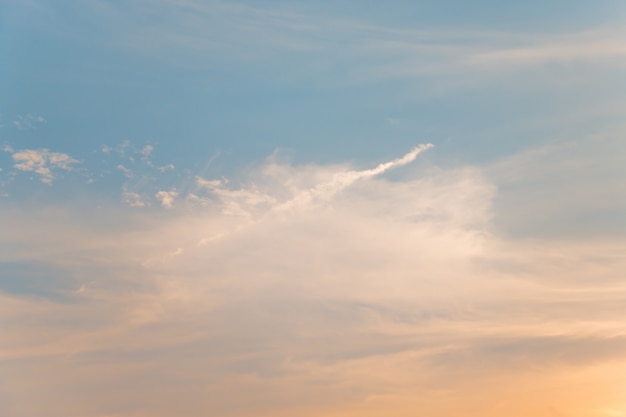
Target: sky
<point x="316" y="209"/>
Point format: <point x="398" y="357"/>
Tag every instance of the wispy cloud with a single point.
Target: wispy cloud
<point x="342" y="180"/>
<point x="568" y="187"/>
<point x="28" y="122"/>
<point x="244" y="201"/>
<point x="592" y="47"/>
<point x="127" y="172"/>
<point x="164" y="168"/>
<point x="319" y="45"/>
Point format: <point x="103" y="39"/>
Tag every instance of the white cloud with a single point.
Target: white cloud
<point x="42" y="162"/>
<point x="145" y="153"/>
<point x="240" y="201"/>
<point x="147" y="150"/>
<point x="127" y="172"/>
<point x="168" y="167"/>
<point x="134" y="199"/>
<point x="167" y="198"/>
<point x="342" y="180"/>
<point x="127" y="153"/>
<point x="245" y="200"/>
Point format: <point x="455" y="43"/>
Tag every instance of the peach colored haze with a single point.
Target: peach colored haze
<point x="314" y="291"/>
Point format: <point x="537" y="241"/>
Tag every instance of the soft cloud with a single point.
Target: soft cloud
<point x="242" y="200"/>
<point x="28" y="122"/>
<point x="168" y="167"/>
<point x="566" y="188"/>
<point x="369" y="297"/>
<point x="127" y="172"/>
<point x="145" y="153"/>
<point x="134" y="199"/>
<point x="147" y="150"/>
<point x="167" y="198"/>
<point x="366" y="52"/>
<point x="42" y="162"/>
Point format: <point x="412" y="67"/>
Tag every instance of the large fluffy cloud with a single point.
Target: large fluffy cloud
<point x="313" y="291"/>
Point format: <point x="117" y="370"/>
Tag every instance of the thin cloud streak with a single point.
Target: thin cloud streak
<point x="204" y="35"/>
<point x="344" y="179"/>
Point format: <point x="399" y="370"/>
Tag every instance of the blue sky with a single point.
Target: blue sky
<point x="326" y="82"/>
<point x="215" y="88"/>
<point x="324" y="207"/>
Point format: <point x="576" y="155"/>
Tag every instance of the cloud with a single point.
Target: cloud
<point x="145" y="153"/>
<point x="348" y="50"/>
<point x="126" y="153"/>
<point x="42" y="162"/>
<point x="370" y="296"/>
<point x="168" y="167"/>
<point x="341" y="180"/>
<point x="141" y="174"/>
<point x="147" y="150"/>
<point x="167" y="198"/>
<point x="243" y="199"/>
<point x="28" y="122"/>
<point x="587" y="47"/>
<point x="134" y="199"/>
<point x="127" y="172"/>
<point x="566" y="188"/>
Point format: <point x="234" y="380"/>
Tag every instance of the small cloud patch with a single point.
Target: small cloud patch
<point x="168" y="167"/>
<point x="42" y="162"/>
<point x="127" y="172"/>
<point x="147" y="150"/>
<point x="134" y="200"/>
<point x="28" y="122"/>
<point x="167" y="198"/>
